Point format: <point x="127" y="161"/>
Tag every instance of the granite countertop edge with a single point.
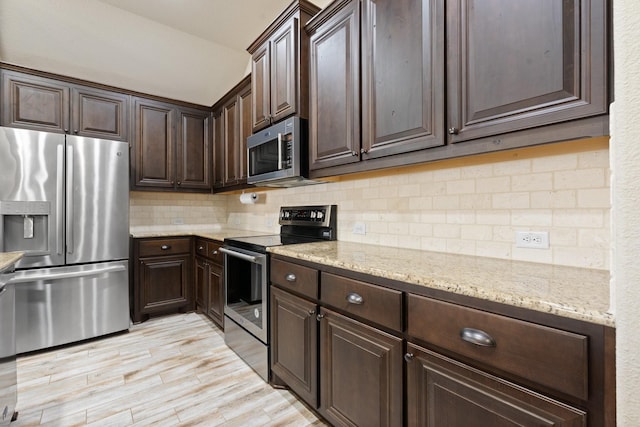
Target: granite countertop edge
<point x="552" y="287"/>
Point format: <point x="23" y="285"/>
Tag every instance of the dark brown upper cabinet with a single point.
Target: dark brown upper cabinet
<point x="232" y="126"/>
<point x="172" y="146"/>
<point x="376" y="80"/>
<point x="519" y="65"/>
<point x="399" y="82"/>
<point x="279" y="66"/>
<point x="44" y="104"/>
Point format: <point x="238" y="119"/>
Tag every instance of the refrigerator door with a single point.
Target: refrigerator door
<point x="8" y="376"/>
<point x="61" y="305"/>
<point x="32" y="196"/>
<point x="97" y="199"/>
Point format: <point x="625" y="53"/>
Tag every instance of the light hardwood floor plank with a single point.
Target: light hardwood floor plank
<point x="168" y="371"/>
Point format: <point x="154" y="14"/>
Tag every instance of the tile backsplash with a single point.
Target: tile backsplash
<point x="470" y="205"/>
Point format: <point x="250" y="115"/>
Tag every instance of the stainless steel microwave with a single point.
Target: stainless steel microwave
<point x="278" y="155"/>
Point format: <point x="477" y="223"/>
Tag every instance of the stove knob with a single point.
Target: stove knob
<point x="320" y="215"/>
<point x="313" y="214"/>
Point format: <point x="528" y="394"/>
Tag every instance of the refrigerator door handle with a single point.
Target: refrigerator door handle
<point x="59" y="199"/>
<point x="74" y="274"/>
<point x="70" y="200"/>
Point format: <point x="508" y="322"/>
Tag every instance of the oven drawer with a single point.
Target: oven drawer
<point x="159" y="247"/>
<point x="296" y="278"/>
<point x="375" y="303"/>
<point x="547" y="356"/>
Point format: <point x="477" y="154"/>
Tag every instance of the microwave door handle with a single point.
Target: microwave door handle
<point x="280" y="165"/>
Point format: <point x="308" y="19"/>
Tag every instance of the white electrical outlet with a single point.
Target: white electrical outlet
<point x="359" y="228"/>
<point x="532" y="239"/>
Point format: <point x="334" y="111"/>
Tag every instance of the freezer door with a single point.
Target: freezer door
<point x="61" y="305"/>
<point x="32" y="196"/>
<point x="97" y="198"/>
<point x="8" y="376"/>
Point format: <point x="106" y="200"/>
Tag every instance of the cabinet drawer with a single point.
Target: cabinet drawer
<point x="157" y="247"/>
<point x="303" y="280"/>
<point x="214" y="253"/>
<point x="201" y="247"/>
<point x="547" y="356"/>
<point x="375" y="303"/>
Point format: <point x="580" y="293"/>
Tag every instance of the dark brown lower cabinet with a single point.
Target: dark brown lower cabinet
<point x="294" y="344"/>
<point x="209" y="280"/>
<point x="445" y="392"/>
<point x="361" y="373"/>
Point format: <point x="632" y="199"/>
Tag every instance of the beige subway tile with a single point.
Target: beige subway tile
<point x="504" y="233"/>
<point x="594" y="198"/>
<point x="498" y="184"/>
<point x="493" y="249"/>
<point x="554" y="199"/>
<point x="446" y="174"/>
<point x="480" y="233"/>
<point x="433" y="189"/>
<point x="476" y="171"/>
<point x="467" y="186"/>
<point x="389" y="240"/>
<point x="409" y="242"/>
<point x="398" y="228"/>
<point x="563" y="236"/>
<point x="475" y="201"/>
<point x="594" y="159"/>
<point x="580" y="218"/>
<point x="511" y="201"/>
<point x="420" y="229"/>
<point x="532" y="182"/>
<point x="446" y="202"/>
<point x="594" y="238"/>
<point x="464" y="247"/>
<point x="493" y="217"/>
<point x="461" y="217"/>
<point x="579" y="178"/>
<point x="420" y="203"/>
<point x="512" y="167"/>
<point x="580" y="257"/>
<point x="447" y="231"/>
<point x="435" y="244"/>
<point x="532" y="255"/>
<point x="532" y="217"/>
<point x="555" y="163"/>
<point x="409" y="190"/>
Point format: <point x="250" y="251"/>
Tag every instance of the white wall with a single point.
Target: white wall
<point x="625" y="162"/>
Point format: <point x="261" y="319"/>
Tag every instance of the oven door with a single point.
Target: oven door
<point x="245" y="282"/>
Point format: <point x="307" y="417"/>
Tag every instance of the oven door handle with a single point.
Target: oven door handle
<point x="250" y="258"/>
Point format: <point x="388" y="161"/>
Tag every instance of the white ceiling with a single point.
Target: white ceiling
<point x="191" y="50"/>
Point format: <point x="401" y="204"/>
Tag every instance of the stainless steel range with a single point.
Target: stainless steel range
<point x="246" y="278"/>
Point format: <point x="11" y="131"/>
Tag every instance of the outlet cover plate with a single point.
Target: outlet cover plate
<point x="532" y="239"/>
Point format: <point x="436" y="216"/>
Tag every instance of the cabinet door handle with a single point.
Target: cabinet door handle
<point x="408" y="357"/>
<point x="453" y="131"/>
<point x="165" y="247"/>
<point x="214" y="252"/>
<point x="312" y="312"/>
<point x="354" y="153"/>
<point x="353" y="298"/>
<point x="200" y="248"/>
<point x="477" y="337"/>
<point x="179" y="183"/>
<point x="75" y="131"/>
<point x="290" y="277"/>
<point x="319" y="317"/>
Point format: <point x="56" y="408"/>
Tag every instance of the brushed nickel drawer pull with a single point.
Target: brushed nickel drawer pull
<point x="290" y="277"/>
<point x="353" y="298"/>
<point x="165" y="247"/>
<point x="477" y="337"/>
<point x="214" y="252"/>
<point x="319" y="317"/>
<point x="408" y="357"/>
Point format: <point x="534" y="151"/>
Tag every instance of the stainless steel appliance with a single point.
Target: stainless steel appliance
<point x="8" y="377"/>
<point x="246" y="278"/>
<point x="64" y="202"/>
<point x="278" y="155"/>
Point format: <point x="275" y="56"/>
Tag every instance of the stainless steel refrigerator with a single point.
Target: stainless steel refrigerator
<point x="64" y="202"/>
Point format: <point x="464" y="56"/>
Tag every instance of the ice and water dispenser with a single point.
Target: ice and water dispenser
<point x="24" y="226"/>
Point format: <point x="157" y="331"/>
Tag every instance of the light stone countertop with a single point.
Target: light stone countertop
<point x="577" y="293"/>
<point x="207" y="231"/>
<point x="7" y="259"/>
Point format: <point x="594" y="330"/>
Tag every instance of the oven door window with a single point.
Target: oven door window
<point x="245" y="296"/>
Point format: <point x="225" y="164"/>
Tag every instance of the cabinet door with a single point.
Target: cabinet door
<point x="443" y="392"/>
<point x="164" y="283"/>
<point x="154" y="153"/>
<point x="33" y="102"/>
<point x="260" y="87"/>
<point x="361" y="373"/>
<point x="216" y="294"/>
<point x="284" y="69"/>
<point x="294" y="344"/>
<point x="514" y="65"/>
<point x="244" y="102"/>
<point x="230" y="113"/>
<point x="201" y="281"/>
<point x="334" y="90"/>
<point x="193" y="149"/>
<point x="99" y="114"/>
<point x="402" y="76"/>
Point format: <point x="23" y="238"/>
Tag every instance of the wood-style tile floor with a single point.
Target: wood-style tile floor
<point x="168" y="371"/>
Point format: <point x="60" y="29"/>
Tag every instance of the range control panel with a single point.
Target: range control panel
<point x="318" y="216"/>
